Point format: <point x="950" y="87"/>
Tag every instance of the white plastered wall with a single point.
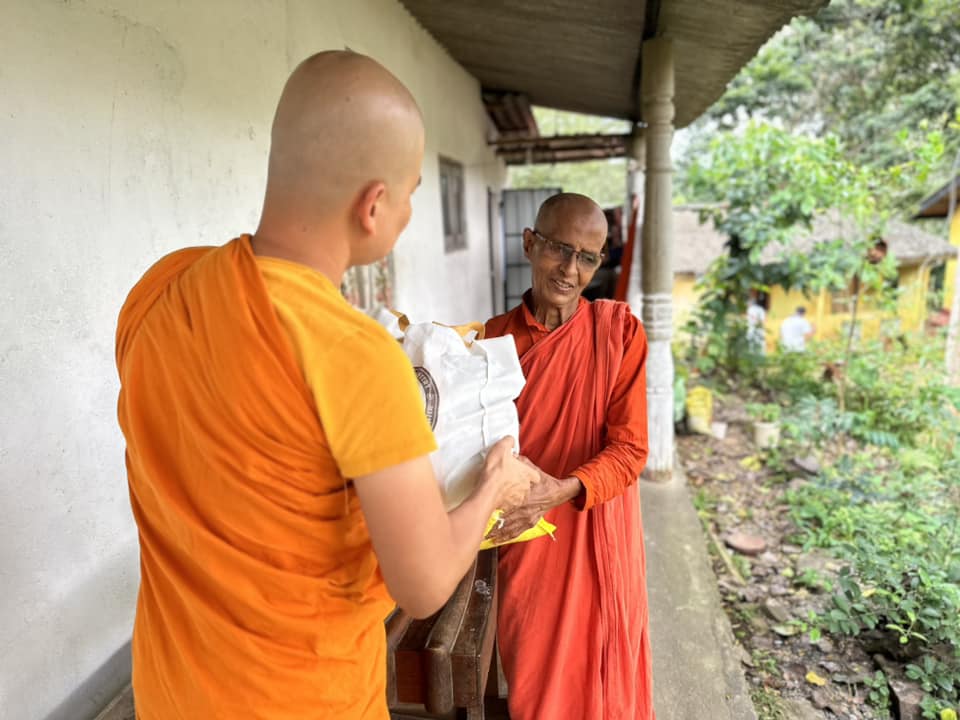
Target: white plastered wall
<point x="129" y="129"/>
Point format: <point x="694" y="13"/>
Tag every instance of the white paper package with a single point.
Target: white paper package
<point x="469" y="387"/>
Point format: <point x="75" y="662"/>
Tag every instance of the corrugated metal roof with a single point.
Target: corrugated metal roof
<point x="585" y="57"/>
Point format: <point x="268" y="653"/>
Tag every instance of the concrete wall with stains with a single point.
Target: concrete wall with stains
<point x="129" y="128"/>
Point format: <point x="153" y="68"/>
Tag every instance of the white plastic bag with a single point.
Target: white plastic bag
<point x="468" y="387"/>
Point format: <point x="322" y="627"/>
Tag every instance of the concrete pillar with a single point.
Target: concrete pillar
<point x="657" y="251"/>
<point x="636" y="169"/>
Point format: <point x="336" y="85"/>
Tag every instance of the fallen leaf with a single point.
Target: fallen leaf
<point x="815" y="679"/>
<point x="751" y="462"/>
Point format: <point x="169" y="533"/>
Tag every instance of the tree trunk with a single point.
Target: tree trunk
<point x="842" y="400"/>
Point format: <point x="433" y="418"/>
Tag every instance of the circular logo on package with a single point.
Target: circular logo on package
<point x="431" y="396"/>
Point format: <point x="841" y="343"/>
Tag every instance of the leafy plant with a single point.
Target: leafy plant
<point x="897" y="529"/>
<point x="933" y="675"/>
<point x="767" y="704"/>
<point x="765" y="662"/>
<point x="791" y="376"/>
<point x="764" y="412"/>
<point x="813" y="580"/>
<point x="888" y="509"/>
<point x="879" y="694"/>
<point x="813" y="420"/>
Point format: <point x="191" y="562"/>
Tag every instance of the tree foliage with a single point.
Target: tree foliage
<point x="868" y="71"/>
<point x="761" y="186"/>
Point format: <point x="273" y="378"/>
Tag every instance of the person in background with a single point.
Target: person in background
<point x="795" y="331"/>
<point x="756" y="324"/>
<point x="603" y="285"/>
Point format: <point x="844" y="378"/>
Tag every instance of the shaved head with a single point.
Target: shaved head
<point x="569" y="209"/>
<point x="569" y="229"/>
<point x="342" y="121"/>
<point x="345" y="154"/>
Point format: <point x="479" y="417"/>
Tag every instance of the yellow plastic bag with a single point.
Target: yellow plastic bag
<point x="539" y="530"/>
<point x="700" y="410"/>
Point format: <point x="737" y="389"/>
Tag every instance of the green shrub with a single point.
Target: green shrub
<point x="764" y="412"/>
<point x="893" y="519"/>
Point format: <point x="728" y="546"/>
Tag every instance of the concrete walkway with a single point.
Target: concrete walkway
<point x="696" y="664"/>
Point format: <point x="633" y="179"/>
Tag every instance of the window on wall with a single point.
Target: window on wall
<point x="451" y="199"/>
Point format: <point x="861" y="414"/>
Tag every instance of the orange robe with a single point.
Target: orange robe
<point x="572" y="628"/>
<point x="250" y="393"/>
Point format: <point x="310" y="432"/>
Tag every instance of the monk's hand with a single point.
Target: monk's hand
<point x="547" y="493"/>
<point x="512" y="478"/>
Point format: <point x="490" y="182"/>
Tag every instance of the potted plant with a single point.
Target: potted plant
<point x="766" y="424"/>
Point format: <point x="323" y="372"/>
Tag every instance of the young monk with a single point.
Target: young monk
<point x="573" y="614"/>
<point x="276" y="440"/>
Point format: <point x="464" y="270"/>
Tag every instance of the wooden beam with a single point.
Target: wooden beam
<point x="511" y="113"/>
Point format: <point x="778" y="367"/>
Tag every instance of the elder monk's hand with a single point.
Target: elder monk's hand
<point x="548" y="493"/>
<point x="511" y="477"/>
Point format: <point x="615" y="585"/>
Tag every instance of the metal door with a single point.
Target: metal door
<point x="519" y="212"/>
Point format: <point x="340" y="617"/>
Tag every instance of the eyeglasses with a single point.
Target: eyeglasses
<point x="563" y="252"/>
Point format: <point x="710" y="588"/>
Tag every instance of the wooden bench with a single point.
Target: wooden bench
<point x="441" y="667"/>
<point x="445" y="666"/>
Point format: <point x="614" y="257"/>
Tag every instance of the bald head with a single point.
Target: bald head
<point x="342" y="122"/>
<point x="564" y="249"/>
<point x="570" y="210"/>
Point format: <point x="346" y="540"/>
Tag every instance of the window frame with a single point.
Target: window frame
<point x="452" y="204"/>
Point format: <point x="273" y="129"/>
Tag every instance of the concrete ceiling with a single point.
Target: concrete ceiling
<point x="585" y="56"/>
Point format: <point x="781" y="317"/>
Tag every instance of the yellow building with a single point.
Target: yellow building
<point x="916" y="252"/>
<point x="695" y="246"/>
<point x="937" y="205"/>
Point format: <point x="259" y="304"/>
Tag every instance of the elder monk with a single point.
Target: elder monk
<point x="572" y="625"/>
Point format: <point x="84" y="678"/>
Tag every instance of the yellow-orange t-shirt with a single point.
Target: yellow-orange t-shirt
<point x="372" y="415"/>
<point x="367" y="395"/>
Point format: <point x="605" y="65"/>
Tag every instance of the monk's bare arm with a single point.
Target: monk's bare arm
<point x="423" y="550"/>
